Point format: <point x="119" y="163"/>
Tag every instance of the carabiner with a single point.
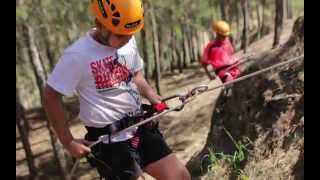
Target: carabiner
<point x="199" y="90"/>
<point x="193" y="92"/>
<point x="173" y="97"/>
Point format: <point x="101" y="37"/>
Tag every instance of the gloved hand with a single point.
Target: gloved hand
<point x="160" y="106"/>
<point x="227" y="77"/>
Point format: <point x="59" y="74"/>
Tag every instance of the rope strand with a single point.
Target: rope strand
<point x="256" y="73"/>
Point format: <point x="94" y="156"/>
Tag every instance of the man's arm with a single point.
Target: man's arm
<point x="205" y="63"/>
<point x="206" y="69"/>
<point x="145" y="89"/>
<point x="52" y="103"/>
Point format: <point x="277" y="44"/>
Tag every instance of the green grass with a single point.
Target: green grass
<point x="232" y="161"/>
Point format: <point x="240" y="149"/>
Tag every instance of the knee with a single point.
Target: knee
<point x="182" y="174"/>
<point x="185" y="174"/>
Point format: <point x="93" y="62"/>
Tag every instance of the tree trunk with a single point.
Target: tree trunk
<point x="173" y="60"/>
<point x="156" y="49"/>
<point x="179" y="53"/>
<point x="42" y="63"/>
<point x="185" y="47"/>
<point x="250" y="15"/>
<point x="200" y="37"/>
<point x="224" y="10"/>
<point x="179" y="57"/>
<point x="184" y="52"/>
<point x="49" y="53"/>
<point x="45" y="34"/>
<point x="289" y="9"/>
<point x="21" y="124"/>
<point x="173" y="50"/>
<point x="40" y="77"/>
<point x="259" y="19"/>
<point x="194" y="45"/>
<point x="21" y="59"/>
<point x="278" y="25"/>
<point x="166" y="57"/>
<point x="161" y="47"/>
<point x="245" y="32"/>
<point x="189" y="41"/>
<point x="285" y="9"/>
<point x="145" y="52"/>
<point x="263" y="4"/>
<point x="34" y="58"/>
<point x="238" y="15"/>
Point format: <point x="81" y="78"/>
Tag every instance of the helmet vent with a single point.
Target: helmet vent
<point x="116" y="14"/>
<point x="102" y="10"/>
<point x="132" y="25"/>
<point x="113" y="7"/>
<point x="115" y="22"/>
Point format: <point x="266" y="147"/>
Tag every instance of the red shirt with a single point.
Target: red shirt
<point x="219" y="55"/>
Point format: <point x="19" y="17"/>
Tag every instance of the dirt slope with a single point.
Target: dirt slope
<point x="269" y="110"/>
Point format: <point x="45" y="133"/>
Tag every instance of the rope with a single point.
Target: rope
<point x="256" y="73"/>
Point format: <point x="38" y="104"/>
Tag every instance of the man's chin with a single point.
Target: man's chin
<point x="119" y="46"/>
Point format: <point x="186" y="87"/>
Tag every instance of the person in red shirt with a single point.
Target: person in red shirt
<point x="217" y="55"/>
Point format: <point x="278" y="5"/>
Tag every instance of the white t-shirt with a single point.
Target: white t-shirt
<point x="102" y="77"/>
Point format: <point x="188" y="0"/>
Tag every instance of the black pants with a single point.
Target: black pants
<point x="121" y="160"/>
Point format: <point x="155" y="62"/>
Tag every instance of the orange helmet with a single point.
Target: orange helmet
<point x="221" y="28"/>
<point x="123" y="17"/>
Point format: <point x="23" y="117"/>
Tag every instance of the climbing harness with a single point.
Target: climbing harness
<point x="184" y="99"/>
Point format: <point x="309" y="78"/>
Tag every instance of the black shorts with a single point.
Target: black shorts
<point x="119" y="160"/>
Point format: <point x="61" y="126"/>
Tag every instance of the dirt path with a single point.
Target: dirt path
<point x="185" y="131"/>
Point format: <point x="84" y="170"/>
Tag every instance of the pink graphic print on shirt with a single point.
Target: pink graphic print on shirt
<point x="108" y="72"/>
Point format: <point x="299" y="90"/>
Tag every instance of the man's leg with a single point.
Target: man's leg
<point x="168" y="168"/>
<point x="115" y="162"/>
<point x="157" y="157"/>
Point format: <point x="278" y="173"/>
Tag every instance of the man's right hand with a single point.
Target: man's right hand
<point x="78" y="148"/>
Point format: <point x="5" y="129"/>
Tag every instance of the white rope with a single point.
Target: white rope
<point x="257" y="73"/>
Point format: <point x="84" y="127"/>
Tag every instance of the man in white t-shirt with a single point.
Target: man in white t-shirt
<point x="104" y="69"/>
